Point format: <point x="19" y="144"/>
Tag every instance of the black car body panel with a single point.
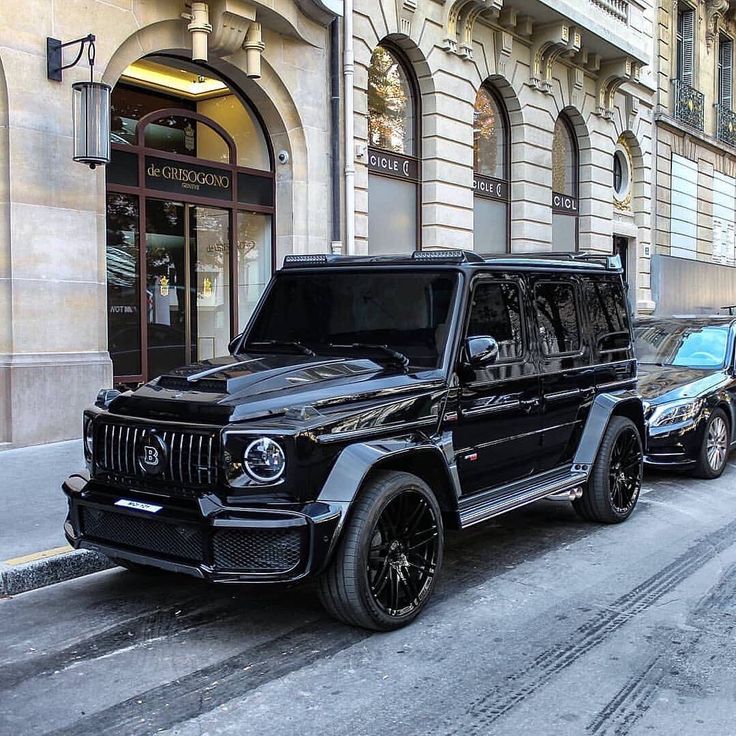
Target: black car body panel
<point x="168" y="483"/>
<point x="678" y="444"/>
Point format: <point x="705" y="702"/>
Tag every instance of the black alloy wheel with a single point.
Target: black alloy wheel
<point x="402" y="558"/>
<point x="624" y="474"/>
<point x="715" y="447"/>
<point x="615" y="481"/>
<point x="386" y="564"/>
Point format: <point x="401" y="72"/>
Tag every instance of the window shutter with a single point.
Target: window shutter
<point x="725" y="93"/>
<point x="687" y="32"/>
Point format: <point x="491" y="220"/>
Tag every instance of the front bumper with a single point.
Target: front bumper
<point x="674" y="445"/>
<point x="203" y="537"/>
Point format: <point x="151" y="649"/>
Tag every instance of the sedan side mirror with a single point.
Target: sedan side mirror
<point x="481" y="350"/>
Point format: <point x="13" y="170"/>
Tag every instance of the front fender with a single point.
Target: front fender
<point x="356" y="461"/>
<point x="626" y="403"/>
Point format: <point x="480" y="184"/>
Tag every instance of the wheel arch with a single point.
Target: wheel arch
<point x="627" y="404"/>
<point x="356" y="463"/>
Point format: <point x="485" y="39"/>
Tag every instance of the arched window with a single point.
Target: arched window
<point x="565" y="181"/>
<point x="491" y="173"/>
<point x="393" y="155"/>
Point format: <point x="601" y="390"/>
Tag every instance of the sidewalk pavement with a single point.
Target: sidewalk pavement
<point x="33" y="551"/>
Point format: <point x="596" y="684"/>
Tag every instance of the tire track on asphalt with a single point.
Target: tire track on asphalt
<point x="634" y="699"/>
<point x="519" y="686"/>
<point x="199" y="692"/>
<point x="142" y="629"/>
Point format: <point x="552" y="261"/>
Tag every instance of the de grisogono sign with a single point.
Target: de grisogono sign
<point x="177" y="177"/>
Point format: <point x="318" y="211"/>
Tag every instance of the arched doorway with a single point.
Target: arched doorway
<point x="190" y="204"/>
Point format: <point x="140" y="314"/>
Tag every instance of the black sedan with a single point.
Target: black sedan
<point x="687" y="377"/>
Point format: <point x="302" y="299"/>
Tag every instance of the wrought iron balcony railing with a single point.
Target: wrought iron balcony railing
<point x="689" y="104"/>
<point x="726" y="125"/>
<point x="619" y="9"/>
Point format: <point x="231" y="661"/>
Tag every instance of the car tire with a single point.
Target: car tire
<point x="615" y="481"/>
<point x="385" y="567"/>
<point x="715" y="446"/>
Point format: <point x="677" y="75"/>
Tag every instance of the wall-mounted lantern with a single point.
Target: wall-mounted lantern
<point x="91" y="103"/>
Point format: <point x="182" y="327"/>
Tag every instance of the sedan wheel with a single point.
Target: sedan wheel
<point x="715" y="446"/>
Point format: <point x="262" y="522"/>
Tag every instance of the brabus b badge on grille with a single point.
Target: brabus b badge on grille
<point x="152" y="454"/>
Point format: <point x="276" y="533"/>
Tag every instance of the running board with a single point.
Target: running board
<point x="487" y="504"/>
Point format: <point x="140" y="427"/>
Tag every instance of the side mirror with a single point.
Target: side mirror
<point x="481" y="350"/>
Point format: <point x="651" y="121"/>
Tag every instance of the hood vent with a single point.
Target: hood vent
<point x="176" y="383"/>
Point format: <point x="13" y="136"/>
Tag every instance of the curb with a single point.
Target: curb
<point x="17" y="579"/>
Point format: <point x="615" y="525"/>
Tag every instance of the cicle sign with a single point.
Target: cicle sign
<point x="490" y="188"/>
<point x="565" y="204"/>
<point x="177" y="177"/>
<point x="392" y="164"/>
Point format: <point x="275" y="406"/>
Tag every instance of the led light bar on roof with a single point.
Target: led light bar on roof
<point x="313" y="259"/>
<point x="446" y="256"/>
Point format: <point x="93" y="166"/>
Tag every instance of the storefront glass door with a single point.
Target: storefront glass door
<point x="187" y="283"/>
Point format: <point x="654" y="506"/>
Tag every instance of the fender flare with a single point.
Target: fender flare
<point x="603" y="408"/>
<point x="356" y="461"/>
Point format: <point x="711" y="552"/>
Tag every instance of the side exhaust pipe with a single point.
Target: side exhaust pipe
<point x="572" y="495"/>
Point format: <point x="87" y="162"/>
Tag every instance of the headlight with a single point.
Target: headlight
<point x="675" y="412"/>
<point x="89" y="432"/>
<point x="264" y="460"/>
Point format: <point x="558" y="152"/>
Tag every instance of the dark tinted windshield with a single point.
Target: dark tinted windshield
<point x="408" y="312"/>
<point x="693" y="346"/>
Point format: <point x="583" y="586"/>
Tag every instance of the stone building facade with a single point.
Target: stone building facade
<point x="498" y="125"/>
<point x="694" y="263"/>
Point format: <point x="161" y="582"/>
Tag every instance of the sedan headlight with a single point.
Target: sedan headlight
<point x="675" y="412"/>
<point x="264" y="460"/>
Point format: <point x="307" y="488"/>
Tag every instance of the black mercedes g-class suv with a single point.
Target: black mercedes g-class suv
<point x="371" y="403"/>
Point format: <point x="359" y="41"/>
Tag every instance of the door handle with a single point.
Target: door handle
<point x="529" y="404"/>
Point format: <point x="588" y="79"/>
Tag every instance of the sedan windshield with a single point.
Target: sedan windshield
<point x="691" y="346"/>
<point x="394" y="317"/>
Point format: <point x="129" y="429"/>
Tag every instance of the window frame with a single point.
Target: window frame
<point x="570" y="128"/>
<point x="575" y="286"/>
<point x="724" y="80"/>
<point x="517" y="283"/>
<point x="399" y="55"/>
<point x="685" y="47"/>
<point x="504" y="114"/>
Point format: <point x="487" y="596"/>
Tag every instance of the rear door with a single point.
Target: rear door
<point x="566" y="366"/>
<point x="496" y="435"/>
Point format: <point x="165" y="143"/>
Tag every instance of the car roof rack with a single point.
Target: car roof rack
<point x="609" y="262"/>
<point x="438" y="255"/>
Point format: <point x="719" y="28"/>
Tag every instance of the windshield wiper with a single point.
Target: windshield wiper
<point x="283" y="344"/>
<point x="394" y="355"/>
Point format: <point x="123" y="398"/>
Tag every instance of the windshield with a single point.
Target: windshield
<point x="692" y="346"/>
<point x="327" y="313"/>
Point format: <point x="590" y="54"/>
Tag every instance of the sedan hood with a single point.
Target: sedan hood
<point x="660" y="384"/>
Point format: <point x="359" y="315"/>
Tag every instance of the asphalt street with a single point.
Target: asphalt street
<point x="541" y="624"/>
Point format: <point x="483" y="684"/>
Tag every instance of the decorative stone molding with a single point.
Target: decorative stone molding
<point x="549" y="43"/>
<point x="714" y="11"/>
<point x="230" y="21"/>
<point x="405" y="10"/>
<point x="611" y="76"/>
<point x="460" y="22"/>
<point x="504" y="47"/>
<point x="576" y="81"/>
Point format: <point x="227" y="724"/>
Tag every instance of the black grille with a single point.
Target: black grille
<point x="172" y="540"/>
<point x="191" y="461"/>
<point x="257" y="550"/>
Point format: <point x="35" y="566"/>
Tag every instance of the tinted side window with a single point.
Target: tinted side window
<point x="496" y="311"/>
<point x="608" y="315"/>
<point x="557" y="316"/>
